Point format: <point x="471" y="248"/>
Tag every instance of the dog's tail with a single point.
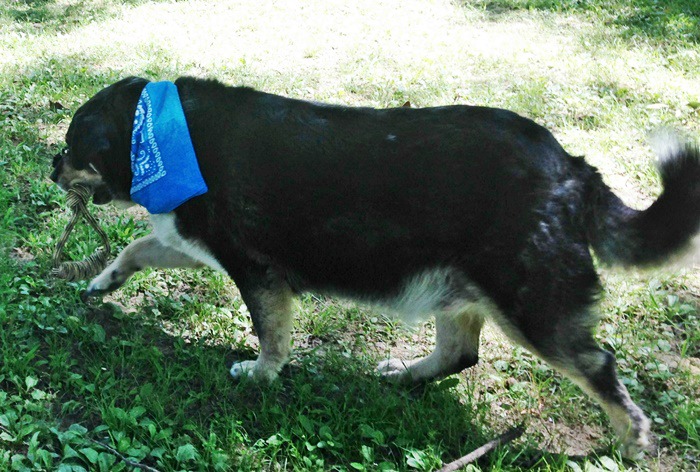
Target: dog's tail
<point x="623" y="236"/>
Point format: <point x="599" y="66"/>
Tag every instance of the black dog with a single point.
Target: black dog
<point x="462" y="212"/>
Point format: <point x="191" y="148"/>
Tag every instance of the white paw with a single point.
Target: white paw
<point x="637" y="441"/>
<point x="252" y="369"/>
<point x="107" y="281"/>
<point x="395" y="369"/>
<point x="242" y="369"/>
<point x="99" y="283"/>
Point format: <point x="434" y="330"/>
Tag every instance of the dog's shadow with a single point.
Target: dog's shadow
<point x="329" y="406"/>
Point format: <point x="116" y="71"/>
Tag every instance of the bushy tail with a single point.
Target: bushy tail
<point x="623" y="236"/>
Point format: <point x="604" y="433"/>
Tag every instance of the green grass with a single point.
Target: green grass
<point x="665" y="22"/>
<point x="144" y="376"/>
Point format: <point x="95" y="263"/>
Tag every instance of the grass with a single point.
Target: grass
<point x="144" y="376"/>
<point x="668" y="22"/>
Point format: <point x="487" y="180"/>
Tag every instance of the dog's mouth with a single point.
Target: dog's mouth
<point x="102" y="195"/>
<point x="66" y="177"/>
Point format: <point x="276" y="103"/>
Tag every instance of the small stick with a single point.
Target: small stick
<point x="508" y="436"/>
<point x="124" y="459"/>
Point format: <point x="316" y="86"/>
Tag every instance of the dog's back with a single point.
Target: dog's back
<point x="354" y="200"/>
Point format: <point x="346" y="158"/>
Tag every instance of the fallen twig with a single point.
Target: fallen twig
<point x="124" y="459"/>
<point x="504" y="438"/>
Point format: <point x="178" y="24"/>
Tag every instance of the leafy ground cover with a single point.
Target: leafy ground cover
<point x="143" y="378"/>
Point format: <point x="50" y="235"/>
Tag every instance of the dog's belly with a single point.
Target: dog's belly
<point x="418" y="295"/>
<point x="444" y="290"/>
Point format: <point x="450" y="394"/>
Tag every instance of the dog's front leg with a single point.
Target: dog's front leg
<point x="144" y="252"/>
<point x="270" y="307"/>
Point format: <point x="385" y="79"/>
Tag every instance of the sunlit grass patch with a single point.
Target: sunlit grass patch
<point x="670" y="22"/>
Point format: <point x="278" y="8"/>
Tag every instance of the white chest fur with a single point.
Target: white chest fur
<point x="166" y="231"/>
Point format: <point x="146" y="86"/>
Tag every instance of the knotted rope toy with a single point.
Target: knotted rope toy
<point x="77" y="198"/>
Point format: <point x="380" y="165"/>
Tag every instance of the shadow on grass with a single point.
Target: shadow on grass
<point x="325" y="410"/>
<point x="673" y="21"/>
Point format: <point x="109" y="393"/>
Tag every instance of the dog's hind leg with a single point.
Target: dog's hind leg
<point x="456" y="348"/>
<point x="270" y="305"/>
<point x="552" y="318"/>
<point x="144" y="252"/>
<point x="573" y="351"/>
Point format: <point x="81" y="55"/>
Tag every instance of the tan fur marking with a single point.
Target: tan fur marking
<point x="274" y="324"/>
<point x="70" y="176"/>
<point x="628" y="421"/>
<point x="457" y="338"/>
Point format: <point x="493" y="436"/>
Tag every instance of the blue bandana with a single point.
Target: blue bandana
<point x="163" y="163"/>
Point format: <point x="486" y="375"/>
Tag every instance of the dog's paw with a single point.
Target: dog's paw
<point x="252" y="369"/>
<point x="396" y="370"/>
<point x="107" y="281"/>
<point x="242" y="369"/>
<point x="638" y="441"/>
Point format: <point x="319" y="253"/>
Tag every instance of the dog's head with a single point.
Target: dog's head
<point x="98" y="143"/>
